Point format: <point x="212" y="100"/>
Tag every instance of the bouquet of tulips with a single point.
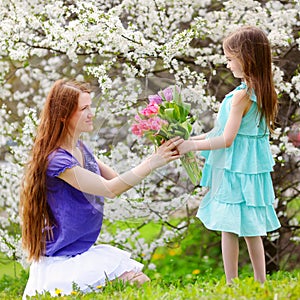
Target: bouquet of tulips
<point x="167" y="116"/>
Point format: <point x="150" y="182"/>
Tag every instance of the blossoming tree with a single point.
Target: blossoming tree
<point x="128" y="50"/>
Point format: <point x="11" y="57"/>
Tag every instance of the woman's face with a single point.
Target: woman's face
<point x="234" y="65"/>
<point x="82" y="118"/>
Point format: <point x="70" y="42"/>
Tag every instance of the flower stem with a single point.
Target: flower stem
<point x="191" y="165"/>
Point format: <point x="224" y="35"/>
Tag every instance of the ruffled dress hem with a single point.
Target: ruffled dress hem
<point x="239" y="218"/>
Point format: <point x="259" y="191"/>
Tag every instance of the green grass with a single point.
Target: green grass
<point x="9" y="267"/>
<point x="280" y="285"/>
<point x="185" y="269"/>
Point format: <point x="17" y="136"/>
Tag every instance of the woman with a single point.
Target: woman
<point x="62" y="198"/>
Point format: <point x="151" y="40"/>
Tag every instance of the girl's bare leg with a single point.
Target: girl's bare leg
<point x="230" y="253"/>
<point x="257" y="255"/>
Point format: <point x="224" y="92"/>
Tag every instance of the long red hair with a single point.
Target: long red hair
<point x="61" y="103"/>
<point x="251" y="47"/>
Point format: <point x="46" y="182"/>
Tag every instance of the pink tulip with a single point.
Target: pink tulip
<point x="138" y="118"/>
<point x="135" y="129"/>
<point x="144" y="125"/>
<point x="155" y="123"/>
<point x="151" y="109"/>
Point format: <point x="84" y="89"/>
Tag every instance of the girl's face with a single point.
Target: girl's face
<point x="234" y="65"/>
<point x="82" y="118"/>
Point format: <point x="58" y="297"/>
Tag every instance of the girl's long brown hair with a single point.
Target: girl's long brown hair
<point x="251" y="47"/>
<point x="61" y="103"/>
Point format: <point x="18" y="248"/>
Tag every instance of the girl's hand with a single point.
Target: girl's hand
<point x="185" y="147"/>
<point x="165" y="153"/>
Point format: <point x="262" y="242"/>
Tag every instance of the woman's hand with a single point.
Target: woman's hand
<point x="111" y="186"/>
<point x="165" y="153"/>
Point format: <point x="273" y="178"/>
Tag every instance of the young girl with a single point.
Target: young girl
<point x="237" y="171"/>
<point x="61" y="201"/>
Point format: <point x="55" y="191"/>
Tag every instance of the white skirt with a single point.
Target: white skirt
<point x="88" y="270"/>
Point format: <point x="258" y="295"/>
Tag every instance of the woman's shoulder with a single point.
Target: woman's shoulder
<point x="59" y="153"/>
<point x="59" y="160"/>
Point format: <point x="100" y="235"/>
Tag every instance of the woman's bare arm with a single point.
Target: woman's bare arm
<point x="92" y="183"/>
<point x="106" y="171"/>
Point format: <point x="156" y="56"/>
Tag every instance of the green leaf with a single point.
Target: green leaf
<point x="187" y="126"/>
<point x="169" y="114"/>
<point x="184" y="109"/>
<point x="176" y="95"/>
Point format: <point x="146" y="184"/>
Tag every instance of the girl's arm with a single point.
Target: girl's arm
<point x="199" y="137"/>
<point x="92" y="183"/>
<point x="240" y="105"/>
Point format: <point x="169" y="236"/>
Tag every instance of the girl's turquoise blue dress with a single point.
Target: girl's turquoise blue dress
<point x="240" y="196"/>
